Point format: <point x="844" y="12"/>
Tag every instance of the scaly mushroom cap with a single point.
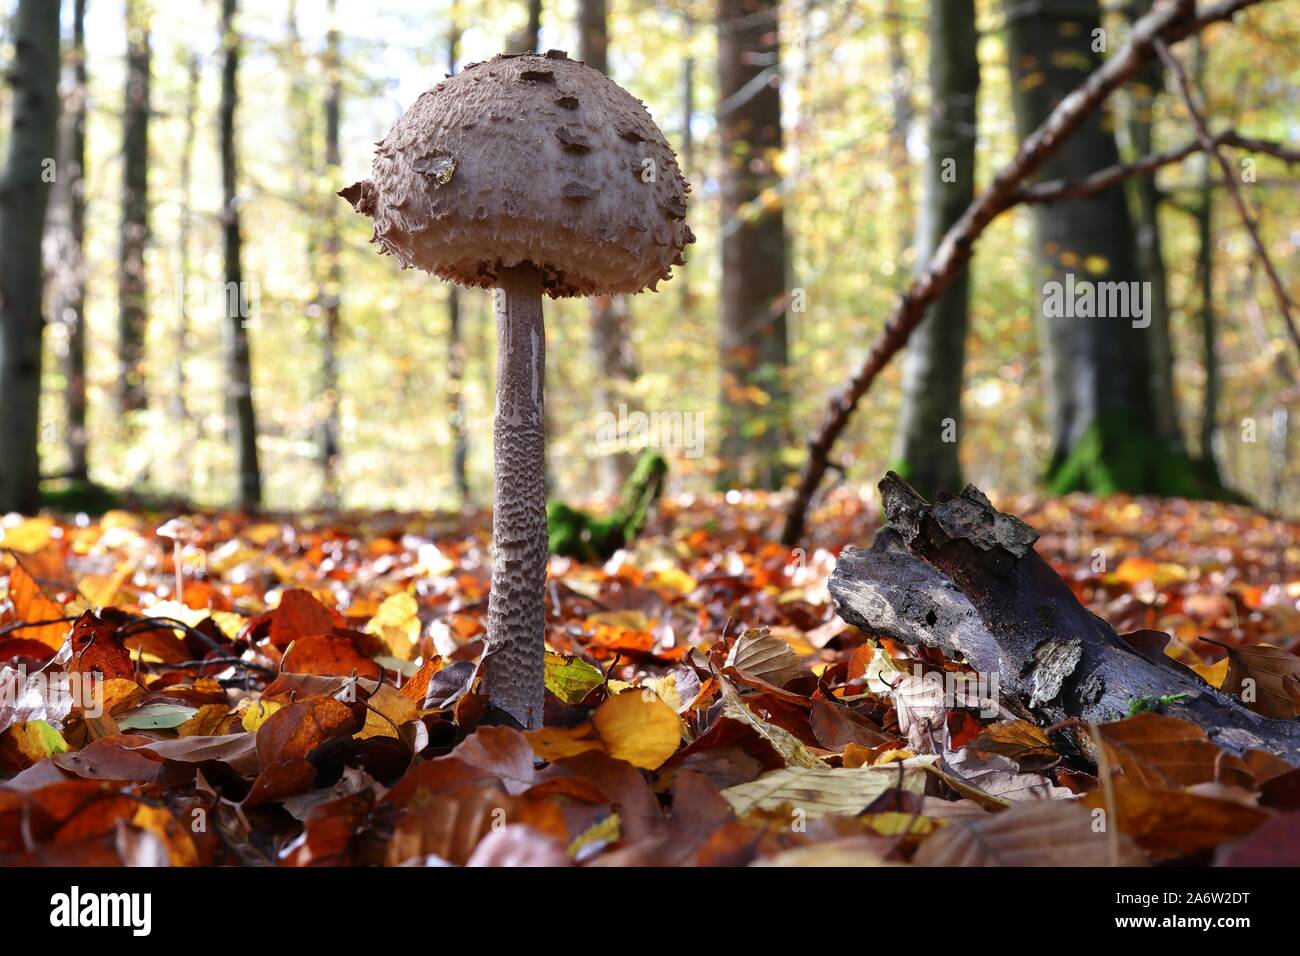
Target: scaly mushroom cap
<point x="529" y="158"/>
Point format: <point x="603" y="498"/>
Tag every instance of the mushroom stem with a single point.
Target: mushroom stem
<point x="513" y="670"/>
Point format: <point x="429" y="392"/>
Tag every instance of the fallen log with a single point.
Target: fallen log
<point x="960" y="576"/>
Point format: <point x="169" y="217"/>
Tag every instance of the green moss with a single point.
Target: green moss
<point x="577" y="534"/>
<point x="73" y="497"/>
<point x="1116" y="454"/>
<point x="1146" y="705"/>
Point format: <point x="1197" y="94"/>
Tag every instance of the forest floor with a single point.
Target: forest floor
<point x="312" y="700"/>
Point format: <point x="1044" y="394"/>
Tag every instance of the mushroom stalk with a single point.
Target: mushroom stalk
<point x="513" y="670"/>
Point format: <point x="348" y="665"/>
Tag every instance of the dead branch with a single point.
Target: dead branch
<point x="963" y="577"/>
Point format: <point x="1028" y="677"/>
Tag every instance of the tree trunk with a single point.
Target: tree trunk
<point x="1205" y="279"/>
<point x="611" y="332"/>
<point x="687" y="158"/>
<point x="239" y="372"/>
<point x="179" y="407"/>
<point x="930" y="418"/>
<point x="1098" y="369"/>
<point x="961" y="577"/>
<point x="456" y="349"/>
<point x="754" y="349"/>
<point x="529" y="39"/>
<point x="900" y="94"/>
<point x="329" y="445"/>
<point x="66" y="232"/>
<point x="132" y="295"/>
<point x="24" y="195"/>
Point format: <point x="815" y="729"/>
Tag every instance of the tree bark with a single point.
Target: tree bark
<point x="66" y="232"/>
<point x="1205" y="281"/>
<point x="132" y="293"/>
<point x="929" y="424"/>
<point x="964" y="578"/>
<point x="179" y="406"/>
<point x="1099" y="370"/>
<point x="239" y="372"/>
<point x="513" y="668"/>
<point x="24" y="195"/>
<point x="1147" y="86"/>
<point x="754" y="338"/>
<point x="329" y="443"/>
<point x="529" y="39"/>
<point x="611" y="332"/>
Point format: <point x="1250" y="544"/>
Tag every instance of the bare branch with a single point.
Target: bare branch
<point x="1171" y="22"/>
<point x="1103" y="179"/>
<point x="1211" y="148"/>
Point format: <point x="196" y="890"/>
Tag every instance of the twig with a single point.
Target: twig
<point x="1211" y="149"/>
<point x="1103" y="179"/>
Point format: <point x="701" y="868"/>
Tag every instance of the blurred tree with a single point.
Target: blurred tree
<point x="328" y="295"/>
<point x="1140" y="126"/>
<point x="753" y="297"/>
<point x="930" y="417"/>
<point x="529" y="38"/>
<point x="239" y="374"/>
<point x="24" y="195"/>
<point x="133" y="236"/>
<point x="193" y="76"/>
<point x="455" y="344"/>
<point x="1105" y="426"/>
<point x="611" y="330"/>
<point x="65" y="236"/>
<point x="1204" y="213"/>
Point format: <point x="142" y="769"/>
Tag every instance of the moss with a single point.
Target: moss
<point x="578" y="534"/>
<point x="76" y="496"/>
<point x="1148" y="705"/>
<point x="1116" y="454"/>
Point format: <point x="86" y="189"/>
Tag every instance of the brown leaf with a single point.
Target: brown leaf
<point x="335" y="654"/>
<point x="836" y="726"/>
<point x="1155" y="750"/>
<point x="1265" y="678"/>
<point x="299" y="615"/>
<point x="759" y="655"/>
<point x="1044" y="833"/>
<point x="1170" y="823"/>
<point x="31" y="604"/>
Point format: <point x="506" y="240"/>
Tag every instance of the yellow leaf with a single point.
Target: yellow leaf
<point x="28" y="536"/>
<point x="628" y="620"/>
<point x="385" y="708"/>
<point x="555" y="743"/>
<point x="258" y="712"/>
<point x="1214" y="674"/>
<point x="638" y="727"/>
<point x="206" y="722"/>
<point x="397" y="623"/>
<point x="27" y="743"/>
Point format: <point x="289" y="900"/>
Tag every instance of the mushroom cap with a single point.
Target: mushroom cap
<point x="529" y="158"/>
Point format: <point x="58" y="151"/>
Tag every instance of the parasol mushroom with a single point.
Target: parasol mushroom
<point x="533" y="175"/>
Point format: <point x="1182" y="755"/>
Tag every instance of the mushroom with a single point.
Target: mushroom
<point x="530" y="174"/>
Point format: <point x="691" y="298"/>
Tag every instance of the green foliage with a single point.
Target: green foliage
<point x="579" y="534"/>
<point x="1117" y="454"/>
<point x="78" y="497"/>
<point x="1147" y="705"/>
